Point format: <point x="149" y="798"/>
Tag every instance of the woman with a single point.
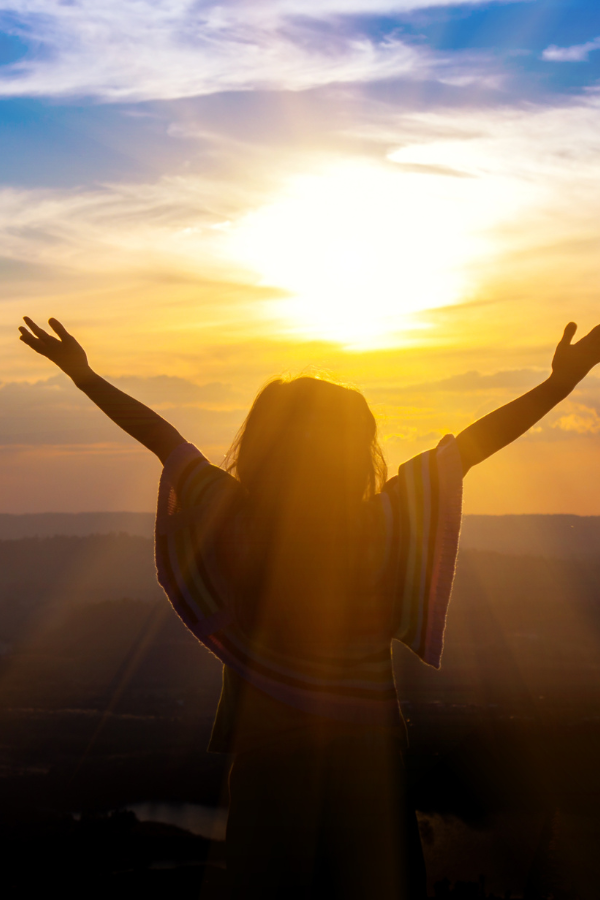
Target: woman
<point x="297" y="565"/>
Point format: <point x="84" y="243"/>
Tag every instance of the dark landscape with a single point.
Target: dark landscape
<point x="107" y="702"/>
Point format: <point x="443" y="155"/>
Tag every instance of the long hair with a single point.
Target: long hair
<point x="308" y="416"/>
<point x="307" y="455"/>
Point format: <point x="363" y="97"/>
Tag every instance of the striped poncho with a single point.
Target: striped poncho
<point x="200" y="511"/>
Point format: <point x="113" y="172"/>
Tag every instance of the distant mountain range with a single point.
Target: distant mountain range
<point x="14" y="527"/>
<point x="536" y="535"/>
<point x="561" y="536"/>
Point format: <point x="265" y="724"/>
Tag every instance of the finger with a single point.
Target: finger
<point x="26" y="335"/>
<point x="568" y="333"/>
<point x="31" y="341"/>
<point x="39" y="332"/>
<point x="59" y="329"/>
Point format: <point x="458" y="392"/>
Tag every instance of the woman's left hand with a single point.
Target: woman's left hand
<point x="572" y="362"/>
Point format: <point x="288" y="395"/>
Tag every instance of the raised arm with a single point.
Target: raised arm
<point x="138" y="420"/>
<point x="570" y="364"/>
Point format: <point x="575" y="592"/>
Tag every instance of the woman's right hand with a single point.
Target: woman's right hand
<point x="64" y="351"/>
<point x="138" y="420"/>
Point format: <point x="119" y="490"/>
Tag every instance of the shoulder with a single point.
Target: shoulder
<point x="422" y="483"/>
<point x="425" y="465"/>
<point x="194" y="479"/>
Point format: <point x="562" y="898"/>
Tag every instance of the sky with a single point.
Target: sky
<point x="403" y="194"/>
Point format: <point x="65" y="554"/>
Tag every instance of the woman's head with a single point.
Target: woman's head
<point x="307" y="455"/>
<point x="313" y="430"/>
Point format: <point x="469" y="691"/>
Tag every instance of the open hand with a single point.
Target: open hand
<point x="572" y="362"/>
<point x="63" y="350"/>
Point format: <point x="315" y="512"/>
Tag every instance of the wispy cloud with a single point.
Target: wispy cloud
<point x="505" y="381"/>
<point x="53" y="412"/>
<point x="160" y="49"/>
<point x="168" y="222"/>
<point x="575" y="53"/>
<point x="549" y="157"/>
<point x="165" y="50"/>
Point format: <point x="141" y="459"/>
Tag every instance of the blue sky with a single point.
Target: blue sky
<point x="64" y="121"/>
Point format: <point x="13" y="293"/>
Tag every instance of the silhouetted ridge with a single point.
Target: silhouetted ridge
<point x="562" y="536"/>
<point x="524" y="535"/>
<point x="13" y="527"/>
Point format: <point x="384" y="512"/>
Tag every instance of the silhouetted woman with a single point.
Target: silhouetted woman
<point x="297" y="564"/>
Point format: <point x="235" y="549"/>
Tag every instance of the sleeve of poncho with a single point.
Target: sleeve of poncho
<point x="193" y="526"/>
<point x="423" y="507"/>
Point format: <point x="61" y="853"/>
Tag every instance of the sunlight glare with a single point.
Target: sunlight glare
<point x="361" y="249"/>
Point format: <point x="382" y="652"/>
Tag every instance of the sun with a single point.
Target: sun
<point x="359" y="249"/>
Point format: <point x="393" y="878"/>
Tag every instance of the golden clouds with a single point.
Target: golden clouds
<point x="583" y="420"/>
